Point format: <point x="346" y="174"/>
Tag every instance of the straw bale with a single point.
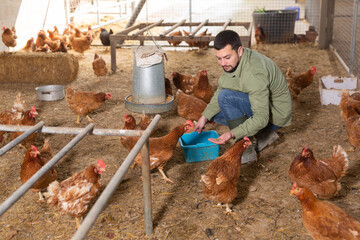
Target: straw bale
<point x="38" y="67"/>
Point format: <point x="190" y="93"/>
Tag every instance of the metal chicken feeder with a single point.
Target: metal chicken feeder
<point x="148" y="88"/>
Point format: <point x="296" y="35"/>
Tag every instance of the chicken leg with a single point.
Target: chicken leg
<point x="164" y="176"/>
<point x="78" y="120"/>
<point x="41" y="197"/>
<point x="90" y="120"/>
<point x="228" y="209"/>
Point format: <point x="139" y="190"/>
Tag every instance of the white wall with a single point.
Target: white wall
<point x="8" y="13"/>
<point x="28" y="17"/>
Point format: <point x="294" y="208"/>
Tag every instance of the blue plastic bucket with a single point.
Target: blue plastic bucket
<point x="197" y="147"/>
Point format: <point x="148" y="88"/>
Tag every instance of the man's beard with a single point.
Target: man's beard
<point x="232" y="68"/>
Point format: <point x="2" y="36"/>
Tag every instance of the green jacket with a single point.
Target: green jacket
<point x="268" y="92"/>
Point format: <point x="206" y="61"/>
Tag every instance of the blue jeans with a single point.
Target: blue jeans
<point x="234" y="105"/>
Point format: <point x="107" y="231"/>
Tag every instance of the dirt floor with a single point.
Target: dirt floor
<point x="263" y="208"/>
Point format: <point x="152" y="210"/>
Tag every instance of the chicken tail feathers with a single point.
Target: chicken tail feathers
<point x="52" y="193"/>
<point x="340" y="161"/>
<point x="289" y="72"/>
<point x="205" y="179"/>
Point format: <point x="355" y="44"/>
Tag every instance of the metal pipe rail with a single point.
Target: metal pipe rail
<point x="115" y="181"/>
<point x="198" y="28"/>
<point x="30" y="130"/>
<point x="27" y="185"/>
<point x="172" y="28"/>
<point x="68" y="130"/>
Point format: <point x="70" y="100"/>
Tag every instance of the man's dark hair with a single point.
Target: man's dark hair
<point x="226" y="37"/>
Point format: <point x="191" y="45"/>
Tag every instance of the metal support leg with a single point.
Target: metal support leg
<point x="145" y="158"/>
<point x="113" y="43"/>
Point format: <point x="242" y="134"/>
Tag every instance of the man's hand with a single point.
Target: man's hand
<point x="200" y="125"/>
<point x="223" y="138"/>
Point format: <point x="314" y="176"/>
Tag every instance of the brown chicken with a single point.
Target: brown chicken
<point x="190" y="43"/>
<point x="13" y="115"/>
<point x="43" y="49"/>
<point x="9" y="37"/>
<point x="53" y="45"/>
<point x="130" y="124"/>
<point x="300" y="81"/>
<point x="352" y="124"/>
<point x="221" y="178"/>
<point x="144" y="121"/>
<point x="80" y="44"/>
<point x="88" y="33"/>
<point x="162" y="148"/>
<point x="83" y="103"/>
<point x="189" y="107"/>
<point x="168" y="88"/>
<point x="260" y="35"/>
<point x="184" y="82"/>
<point x="324" y="220"/>
<point x="61" y="48"/>
<point x="39" y="40"/>
<point x="99" y="66"/>
<point x="30" y="46"/>
<point x="202" y="88"/>
<point x="347" y="99"/>
<point x="199" y="44"/>
<point x="321" y="176"/>
<point x="54" y="36"/>
<point x="28" y="120"/>
<point x="175" y="43"/>
<point x="202" y="44"/>
<point x="74" y="195"/>
<point x="16" y="112"/>
<point x="33" y="161"/>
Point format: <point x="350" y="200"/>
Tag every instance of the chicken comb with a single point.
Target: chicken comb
<point x="190" y="123"/>
<point x="4" y="28"/>
<point x="305" y="149"/>
<point x="34" y="148"/>
<point x="204" y="71"/>
<point x="173" y="74"/>
<point x="313" y="68"/>
<point x="101" y="163"/>
<point x="33" y="109"/>
<point x="247" y="139"/>
<point x="126" y="115"/>
<point x="110" y="95"/>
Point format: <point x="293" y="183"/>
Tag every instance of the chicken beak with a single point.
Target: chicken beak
<point x="292" y="192"/>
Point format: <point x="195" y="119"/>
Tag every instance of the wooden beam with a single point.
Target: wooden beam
<point x="198" y="28"/>
<point x="165" y="38"/>
<point x="226" y="24"/>
<point x="171" y="29"/>
<point x="129" y="29"/>
<point x="148" y="27"/>
<point x="326" y="23"/>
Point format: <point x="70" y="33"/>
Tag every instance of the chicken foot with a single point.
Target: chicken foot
<point x="89" y="119"/>
<point x="228" y="209"/>
<point x="164" y="176"/>
<point x="22" y="146"/>
<point x="41" y="197"/>
<point x="78" y="222"/>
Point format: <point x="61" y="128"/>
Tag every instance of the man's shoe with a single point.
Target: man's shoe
<point x="249" y="155"/>
<point x="265" y="139"/>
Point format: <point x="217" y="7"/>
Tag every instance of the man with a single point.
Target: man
<point x="252" y="98"/>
